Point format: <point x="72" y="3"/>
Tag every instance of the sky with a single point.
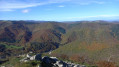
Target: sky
<point x="59" y="10"/>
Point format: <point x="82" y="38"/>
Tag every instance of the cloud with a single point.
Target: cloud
<point x="98" y="2"/>
<point x="87" y="2"/>
<point x="25" y="11"/>
<point x="11" y="5"/>
<point x="6" y="10"/>
<point x="98" y="17"/>
<point x="58" y="1"/>
<point x="61" y="6"/>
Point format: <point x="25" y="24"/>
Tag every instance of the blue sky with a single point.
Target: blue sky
<point x="59" y="10"/>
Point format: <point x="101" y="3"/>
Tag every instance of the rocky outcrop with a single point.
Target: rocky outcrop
<point x="38" y="57"/>
<point x="50" y="61"/>
<point x="54" y="62"/>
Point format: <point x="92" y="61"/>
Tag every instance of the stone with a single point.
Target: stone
<point x="33" y="57"/>
<point x="77" y="65"/>
<point x="82" y="66"/>
<point x="2" y="66"/>
<point x="48" y="60"/>
<point x="31" y="52"/>
<point x="60" y="64"/>
<point x="54" y="58"/>
<point x="38" y="57"/>
<point x="28" y="56"/>
<point x="25" y="59"/>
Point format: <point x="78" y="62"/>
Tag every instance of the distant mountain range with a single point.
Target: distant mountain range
<point x="96" y="40"/>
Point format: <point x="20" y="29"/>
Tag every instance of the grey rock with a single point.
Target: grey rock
<point x="77" y="65"/>
<point x="48" y="60"/>
<point x="82" y="66"/>
<point x="60" y="64"/>
<point x="28" y="56"/>
<point x="38" y="57"/>
<point x="32" y="57"/>
<point x="25" y="59"/>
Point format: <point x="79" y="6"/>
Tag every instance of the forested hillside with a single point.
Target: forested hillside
<point x="95" y="40"/>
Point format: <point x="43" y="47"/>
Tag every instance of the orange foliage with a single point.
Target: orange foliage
<point x="93" y="46"/>
<point x="105" y="64"/>
<point x="64" y="57"/>
<point x="96" y="46"/>
<point x="77" y="58"/>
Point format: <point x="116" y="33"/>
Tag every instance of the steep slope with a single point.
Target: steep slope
<point x="15" y="32"/>
<point x="48" y="34"/>
<point x="41" y="37"/>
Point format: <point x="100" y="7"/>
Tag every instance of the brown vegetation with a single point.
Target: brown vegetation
<point x="64" y="57"/>
<point x="77" y="58"/>
<point x="105" y="64"/>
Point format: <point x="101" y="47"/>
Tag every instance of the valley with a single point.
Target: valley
<point x="92" y="41"/>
